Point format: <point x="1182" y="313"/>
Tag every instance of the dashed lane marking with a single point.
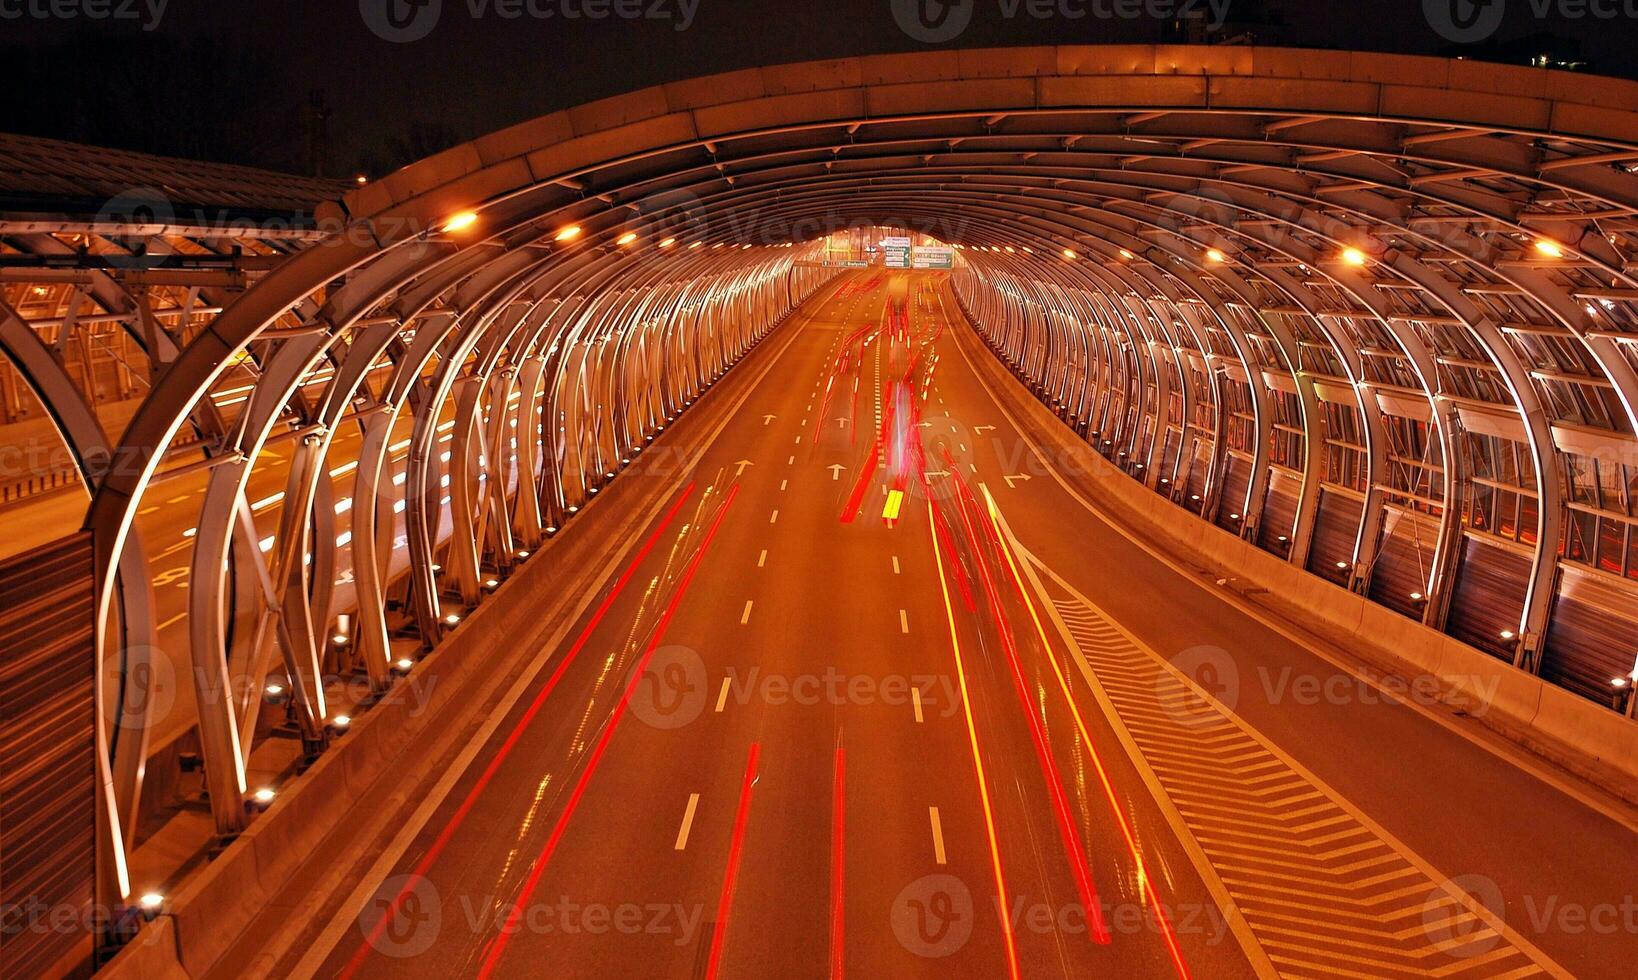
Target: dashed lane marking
<point x="687" y="821"/>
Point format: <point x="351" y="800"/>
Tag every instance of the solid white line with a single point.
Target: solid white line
<point x="762" y="559"/>
<point x="688" y="821"/>
<point x="938" y="834"/>
<point x="722" y="695"/>
<point x="745" y="617"/>
<point x="904" y="622"/>
<point x="915" y="702"/>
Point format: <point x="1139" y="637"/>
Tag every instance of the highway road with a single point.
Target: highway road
<point x="875" y="695"/>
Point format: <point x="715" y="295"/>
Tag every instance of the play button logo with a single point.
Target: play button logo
<point x="933" y="21"/>
<point x="401" y="21"/>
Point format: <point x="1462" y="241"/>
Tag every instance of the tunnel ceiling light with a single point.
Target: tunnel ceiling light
<point x="1069" y="254"/>
<point x="151" y="901"/>
<point x="1508" y="634"/>
<point x="1353" y="256"/>
<point x="568" y="234"/>
<point x="1126" y="254"/>
<point x="1618" y="682"/>
<point x="668" y="243"/>
<point x="462" y="221"/>
<point x="626" y="239"/>
<point x="264" y="796"/>
<point x="1216" y="255"/>
<point x="362" y="179"/>
<point x="696" y="245"/>
<point x="1549" y="248"/>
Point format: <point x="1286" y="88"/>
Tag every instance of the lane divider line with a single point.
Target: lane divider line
<point x="687" y="822"/>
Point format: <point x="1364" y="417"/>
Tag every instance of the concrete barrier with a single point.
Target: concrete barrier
<point x="1585" y="738"/>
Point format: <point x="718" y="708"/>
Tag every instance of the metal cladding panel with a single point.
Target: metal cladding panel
<point x="1466" y="108"/>
<point x="1236" y="481"/>
<point x="1336" y="529"/>
<point x="964" y="95"/>
<point x="433" y="172"/>
<point x="811" y="77"/>
<point x="1279" y="512"/>
<point x="1302" y="63"/>
<point x="47" y="759"/>
<point x="1489" y="596"/>
<point x="1295" y="94"/>
<point x="1106" y="59"/>
<point x="780" y="110"/>
<point x="1124" y="90"/>
<point x="1404" y="561"/>
<point x="696" y="93"/>
<point x="1397" y="69"/>
<point x="1589" y="638"/>
<point x="919" y="66"/>
<point x="594" y="148"/>
<point x="1008" y="62"/>
<point x="619" y="110"/>
<point x="515" y="141"/>
<point x="1614" y="123"/>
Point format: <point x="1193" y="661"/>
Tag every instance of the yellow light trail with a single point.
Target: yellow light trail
<point x="978" y="762"/>
<point x="1086" y="736"/>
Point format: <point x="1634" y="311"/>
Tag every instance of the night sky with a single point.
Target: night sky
<point x="237" y="80"/>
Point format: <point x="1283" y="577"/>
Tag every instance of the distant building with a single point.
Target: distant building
<point x="1248" y="22"/>
<point x="1539" y="50"/>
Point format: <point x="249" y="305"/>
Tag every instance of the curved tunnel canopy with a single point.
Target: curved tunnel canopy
<point x="1375" y="313"/>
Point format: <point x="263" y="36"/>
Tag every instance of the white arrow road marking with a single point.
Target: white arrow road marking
<point x="1013" y="481"/>
<point x="836" y="471"/>
<point x="742" y="464"/>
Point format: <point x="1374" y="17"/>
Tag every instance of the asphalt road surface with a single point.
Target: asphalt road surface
<point x="880" y="695"/>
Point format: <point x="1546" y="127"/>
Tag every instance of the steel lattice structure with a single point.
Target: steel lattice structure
<point x="1375" y="313"/>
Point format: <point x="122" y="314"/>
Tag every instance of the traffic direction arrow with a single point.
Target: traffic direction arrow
<point x="1013" y="481"/>
<point x="836" y="471"/>
<point x="742" y="464"/>
<point x="984" y="428"/>
<point x="766" y="419"/>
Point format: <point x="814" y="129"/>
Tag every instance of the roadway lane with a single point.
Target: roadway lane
<point x="808" y="737"/>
